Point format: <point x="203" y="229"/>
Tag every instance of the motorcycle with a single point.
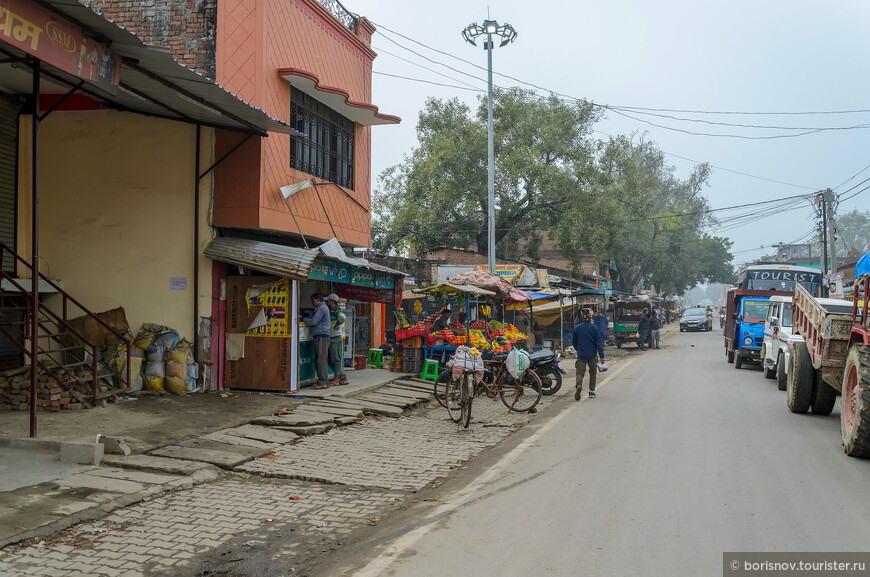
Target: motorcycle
<point x="548" y="366"/>
<point x="721" y="320"/>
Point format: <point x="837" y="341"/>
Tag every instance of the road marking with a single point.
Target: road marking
<point x="408" y="539"/>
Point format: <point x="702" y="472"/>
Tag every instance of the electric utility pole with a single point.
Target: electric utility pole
<point x="829" y="197"/>
<point x="823" y="234"/>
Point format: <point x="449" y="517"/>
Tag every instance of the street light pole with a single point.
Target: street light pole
<point x="490" y="152"/>
<point x="508" y="35"/>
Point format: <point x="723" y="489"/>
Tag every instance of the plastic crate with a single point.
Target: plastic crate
<point x="413" y="343"/>
<point x="412" y="366"/>
<point x="412" y="354"/>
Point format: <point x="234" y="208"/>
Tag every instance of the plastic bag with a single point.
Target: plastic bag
<point x="601" y="367"/>
<point x="517" y="362"/>
<point x="182" y="352"/>
<point x="154" y="383"/>
<point x="637" y="335"/>
<point x="177" y="370"/>
<point x="175" y="385"/>
<point x="155" y="369"/>
<point x="155" y="352"/>
<point x="464" y="361"/>
<point x="168" y="338"/>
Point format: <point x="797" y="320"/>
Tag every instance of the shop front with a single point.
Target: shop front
<point x="267" y="286"/>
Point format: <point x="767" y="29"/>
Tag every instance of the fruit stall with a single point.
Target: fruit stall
<point x="475" y="329"/>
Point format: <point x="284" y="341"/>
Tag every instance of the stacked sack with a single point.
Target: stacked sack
<point x="115" y="358"/>
<point x="169" y="360"/>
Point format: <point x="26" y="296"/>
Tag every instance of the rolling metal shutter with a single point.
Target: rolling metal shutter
<point x="10" y="306"/>
<point x="8" y="158"/>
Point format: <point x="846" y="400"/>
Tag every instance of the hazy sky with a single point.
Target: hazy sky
<point x="747" y="56"/>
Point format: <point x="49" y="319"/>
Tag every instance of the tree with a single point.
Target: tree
<point x="854" y="230"/>
<point x="438" y="195"/>
<point x="649" y="223"/>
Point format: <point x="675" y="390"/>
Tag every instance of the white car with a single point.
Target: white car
<point x="779" y="339"/>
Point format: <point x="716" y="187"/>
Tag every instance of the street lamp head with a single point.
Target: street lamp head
<point x="490" y="28"/>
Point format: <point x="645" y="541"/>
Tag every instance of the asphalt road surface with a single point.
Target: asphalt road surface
<point x="679" y="459"/>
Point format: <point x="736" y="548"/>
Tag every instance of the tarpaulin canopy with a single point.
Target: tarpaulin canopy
<point x="449" y="287"/>
<point x="863" y="266"/>
<point x="490" y="282"/>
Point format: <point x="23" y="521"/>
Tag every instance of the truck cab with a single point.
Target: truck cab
<point x="749" y="329"/>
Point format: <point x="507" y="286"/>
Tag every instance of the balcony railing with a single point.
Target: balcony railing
<point x="345" y="16"/>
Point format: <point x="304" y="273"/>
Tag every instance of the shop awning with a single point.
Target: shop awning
<point x="283" y="261"/>
<point x="336" y="98"/>
<point x="446" y="286"/>
<point x="289" y="261"/>
<point x="151" y="80"/>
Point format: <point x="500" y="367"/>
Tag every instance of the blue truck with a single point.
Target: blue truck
<point x="745" y="313"/>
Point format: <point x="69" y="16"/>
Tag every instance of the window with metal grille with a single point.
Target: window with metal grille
<point x="326" y="150"/>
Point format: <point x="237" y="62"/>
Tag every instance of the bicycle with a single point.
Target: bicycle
<point x="522" y="397"/>
<point x="458" y="395"/>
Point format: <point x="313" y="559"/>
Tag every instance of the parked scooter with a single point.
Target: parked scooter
<point x="548" y="366"/>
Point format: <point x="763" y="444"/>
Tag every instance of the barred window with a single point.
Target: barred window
<point x="326" y="150"/>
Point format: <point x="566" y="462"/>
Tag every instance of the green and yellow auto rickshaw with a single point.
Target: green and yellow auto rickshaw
<point x="626" y="313"/>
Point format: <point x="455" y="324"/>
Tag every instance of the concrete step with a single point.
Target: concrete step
<point x="156" y="464"/>
<point x="261" y="433"/>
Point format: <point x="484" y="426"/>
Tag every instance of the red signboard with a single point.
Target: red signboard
<point x="361" y="293"/>
<point x="43" y="36"/>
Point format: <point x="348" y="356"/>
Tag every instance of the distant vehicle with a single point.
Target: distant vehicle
<point x="780" y="277"/>
<point x="746" y="311"/>
<point x="833" y="358"/>
<point x="626" y="314"/>
<point x="696" y="320"/>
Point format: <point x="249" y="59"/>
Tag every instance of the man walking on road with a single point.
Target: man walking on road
<point x="643" y="329"/>
<point x="586" y="340"/>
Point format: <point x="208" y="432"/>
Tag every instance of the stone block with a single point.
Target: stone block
<point x="115" y="445"/>
<point x="82" y="453"/>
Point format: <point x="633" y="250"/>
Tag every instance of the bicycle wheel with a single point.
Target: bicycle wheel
<point x="465" y="401"/>
<point x="440" y="389"/>
<point x="453" y="400"/>
<point x="523" y="397"/>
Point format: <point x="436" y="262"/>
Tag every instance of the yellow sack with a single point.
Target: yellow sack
<point x="176" y="386"/>
<point x="154" y="383"/>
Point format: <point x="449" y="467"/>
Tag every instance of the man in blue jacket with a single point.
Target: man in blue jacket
<point x="586" y="340"/>
<point x="319" y="324"/>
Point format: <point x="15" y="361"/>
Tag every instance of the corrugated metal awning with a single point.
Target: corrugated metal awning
<point x="283" y="261"/>
<point x="152" y="81"/>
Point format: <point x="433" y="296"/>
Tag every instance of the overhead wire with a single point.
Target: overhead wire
<point x="634" y="109"/>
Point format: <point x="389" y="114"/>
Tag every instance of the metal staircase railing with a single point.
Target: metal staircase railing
<point x="63" y="341"/>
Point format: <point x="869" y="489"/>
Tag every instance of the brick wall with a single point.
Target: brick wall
<point x="187" y="27"/>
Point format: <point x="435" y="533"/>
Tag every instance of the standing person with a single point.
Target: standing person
<point x="655" y="328"/>
<point x="600" y="321"/>
<point x="586" y="340"/>
<point x="521" y="321"/>
<point x="320" y="331"/>
<point x="337" y="319"/>
<point x="643" y="329"/>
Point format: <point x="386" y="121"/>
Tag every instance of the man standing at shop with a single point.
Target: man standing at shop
<point x="586" y="340"/>
<point x="337" y="319"/>
<point x="320" y="331"/>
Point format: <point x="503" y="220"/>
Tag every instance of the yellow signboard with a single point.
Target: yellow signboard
<point x="272" y="318"/>
<point x="509" y="272"/>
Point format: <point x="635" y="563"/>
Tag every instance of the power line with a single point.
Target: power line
<point x="851" y="177"/>
<point x="637" y="109"/>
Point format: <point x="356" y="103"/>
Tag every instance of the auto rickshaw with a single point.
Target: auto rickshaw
<point x="626" y="313"/>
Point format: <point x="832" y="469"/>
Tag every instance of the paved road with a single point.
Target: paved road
<point x="680" y="458"/>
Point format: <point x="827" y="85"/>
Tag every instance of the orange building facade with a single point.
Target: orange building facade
<point x="298" y="62"/>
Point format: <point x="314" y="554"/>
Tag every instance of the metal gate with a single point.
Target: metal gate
<point x="11" y="306"/>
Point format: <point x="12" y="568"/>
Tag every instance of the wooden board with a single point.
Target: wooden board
<point x="266" y="365"/>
